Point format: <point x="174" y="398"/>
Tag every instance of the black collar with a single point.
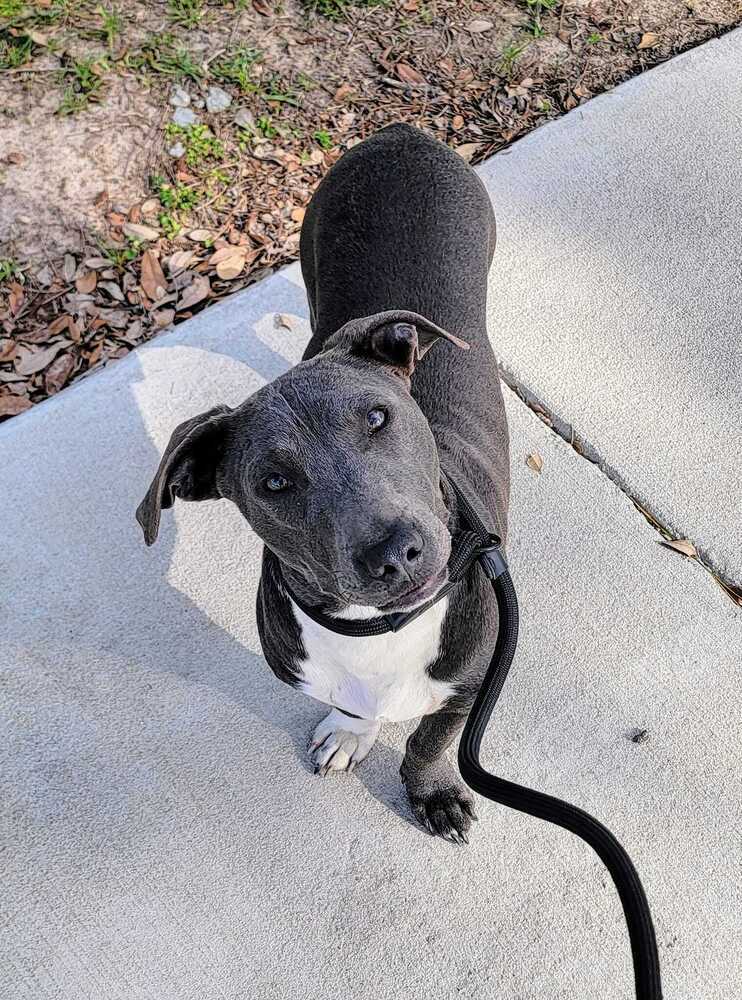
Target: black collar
<point x="471" y="544"/>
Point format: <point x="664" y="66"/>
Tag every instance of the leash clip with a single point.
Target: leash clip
<point x="491" y="558"/>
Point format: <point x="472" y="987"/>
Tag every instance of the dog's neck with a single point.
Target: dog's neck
<point x="309" y="595"/>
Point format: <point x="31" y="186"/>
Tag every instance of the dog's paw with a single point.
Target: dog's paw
<point x="339" y="742"/>
<point x="442" y="803"/>
<point x="446" y="812"/>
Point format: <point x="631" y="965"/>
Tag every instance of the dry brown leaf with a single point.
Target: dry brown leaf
<point x="113" y="290"/>
<point x="457" y="122"/>
<point x="154" y="283"/>
<point x="11" y="406"/>
<point x="735" y="593"/>
<point x="649" y="40"/>
<point x="229" y="262"/>
<point x="57" y="325"/>
<point x="410" y="75"/>
<point x="534" y="461"/>
<point x="286" y="321"/>
<point x="150" y="207"/>
<point x="479" y="25"/>
<point x="94" y="356"/>
<point x="163" y="318"/>
<point x="69" y="267"/>
<point x="681" y="545"/>
<point x="224" y="253"/>
<point x="201" y="235"/>
<point x="86" y="282"/>
<point x="29" y="361"/>
<point x="467" y="150"/>
<point x="7" y="350"/>
<point x="179" y="261"/>
<point x="297" y="214"/>
<point x="140" y="232"/>
<point x="343" y="91"/>
<point x="231" y="268"/>
<point x="58" y="372"/>
<point x="194" y="293"/>
<point x="15" y="297"/>
<point x="262" y="7"/>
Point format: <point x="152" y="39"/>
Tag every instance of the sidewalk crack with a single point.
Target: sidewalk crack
<point x="588" y="451"/>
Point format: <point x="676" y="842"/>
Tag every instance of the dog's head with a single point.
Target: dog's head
<point x="333" y="465"/>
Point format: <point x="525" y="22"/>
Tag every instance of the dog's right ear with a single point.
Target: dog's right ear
<point x="187" y="469"/>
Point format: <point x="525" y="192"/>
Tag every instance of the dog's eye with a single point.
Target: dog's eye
<point x="276" y="484"/>
<point x="376" y="419"/>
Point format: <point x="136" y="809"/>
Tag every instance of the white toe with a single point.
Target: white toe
<point x="339" y="742"/>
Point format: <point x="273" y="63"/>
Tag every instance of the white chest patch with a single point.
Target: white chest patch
<point x="375" y="677"/>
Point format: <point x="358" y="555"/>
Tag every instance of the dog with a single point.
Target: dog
<point x="336" y="464"/>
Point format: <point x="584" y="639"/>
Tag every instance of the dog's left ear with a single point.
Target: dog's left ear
<point x="398" y="338"/>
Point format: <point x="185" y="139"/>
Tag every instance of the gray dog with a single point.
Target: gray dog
<point x="337" y="464"/>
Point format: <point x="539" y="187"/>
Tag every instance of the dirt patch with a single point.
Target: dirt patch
<point x="116" y="221"/>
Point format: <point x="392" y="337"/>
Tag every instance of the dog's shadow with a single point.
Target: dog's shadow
<point x="124" y="617"/>
<point x="243" y="677"/>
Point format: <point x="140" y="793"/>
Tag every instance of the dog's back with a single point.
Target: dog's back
<point x="402" y="222"/>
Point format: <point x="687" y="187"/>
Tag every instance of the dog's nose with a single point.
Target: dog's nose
<point x="395" y="557"/>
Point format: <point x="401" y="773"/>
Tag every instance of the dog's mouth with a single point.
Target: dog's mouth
<point x="416" y="595"/>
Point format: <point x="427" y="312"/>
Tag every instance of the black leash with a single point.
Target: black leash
<point x="476" y="545"/>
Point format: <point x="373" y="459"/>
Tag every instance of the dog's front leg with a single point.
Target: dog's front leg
<point x="341" y="741"/>
<point x="439" y="798"/>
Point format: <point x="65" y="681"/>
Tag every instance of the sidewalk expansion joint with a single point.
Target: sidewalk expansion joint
<point x="683" y="546"/>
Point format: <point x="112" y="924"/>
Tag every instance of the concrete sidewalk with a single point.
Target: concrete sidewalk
<point x="616" y="294"/>
<point x="164" y="837"/>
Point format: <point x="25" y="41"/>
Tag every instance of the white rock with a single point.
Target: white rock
<point x="217" y="100"/>
<point x="180" y="98"/>
<point x="184" y="116"/>
<point x="177" y="150"/>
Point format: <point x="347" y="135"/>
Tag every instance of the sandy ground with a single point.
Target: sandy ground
<point x="86" y="124"/>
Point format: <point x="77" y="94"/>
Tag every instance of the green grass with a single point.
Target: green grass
<point x="14" y="50"/>
<point x="10" y="270"/>
<point x="112" y="24"/>
<point x="273" y="92"/>
<point x="164" y="54"/>
<point x="177" y="200"/>
<point x="201" y="145"/>
<point x="10" y="9"/>
<point x="335" y="9"/>
<point x="121" y="256"/>
<point x="84" y="82"/>
<point x="323" y="138"/>
<point x="175" y="197"/>
<point x="595" y="38"/>
<point x="170" y="224"/>
<point x="306" y="82"/>
<point x="507" y="59"/>
<point x="236" y="66"/>
<point x="266" y="127"/>
<point x="186" y="13"/>
<point x="537" y="7"/>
